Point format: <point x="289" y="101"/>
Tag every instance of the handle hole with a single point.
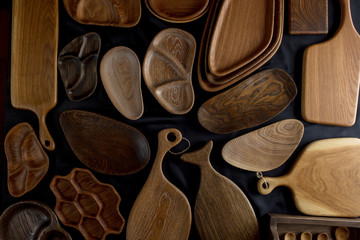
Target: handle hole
<point x="171" y="137"/>
<point x="47" y="143"/>
<point x="265" y="185"/>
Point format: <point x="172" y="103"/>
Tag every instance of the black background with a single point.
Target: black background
<point x="183" y="175"/>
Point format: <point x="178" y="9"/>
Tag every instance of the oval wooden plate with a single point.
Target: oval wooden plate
<point x="266" y="148"/>
<point x="252" y="102"/>
<point x="104" y="144"/>
<point x="120" y="73"/>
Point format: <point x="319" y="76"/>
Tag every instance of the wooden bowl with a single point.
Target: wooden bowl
<point x="77" y="63"/>
<point x="27" y="162"/>
<point x="84" y="203"/>
<point x="121" y="76"/>
<point x="117" y="13"/>
<point x="167" y="69"/>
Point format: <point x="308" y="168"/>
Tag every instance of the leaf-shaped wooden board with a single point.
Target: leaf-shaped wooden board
<point x="266" y="148"/>
<point x="116" y="13"/>
<point x="121" y="76"/>
<point x="167" y="69"/>
<point x="252" y="102"/>
<point x="104" y="144"/>
<point x="27" y="162"/>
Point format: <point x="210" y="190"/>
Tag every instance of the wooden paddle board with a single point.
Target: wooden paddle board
<point x="325" y="179"/>
<point x="331" y="76"/>
<point x="34" y="47"/>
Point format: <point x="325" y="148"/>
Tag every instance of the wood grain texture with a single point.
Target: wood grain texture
<point x="178" y="11"/>
<point x="308" y="17"/>
<point x="167" y="69"/>
<point x="160" y="211"/>
<point x="252" y="102"/>
<point x="325" y="178"/>
<point x="104" y="144"/>
<point x="331" y="76"/>
<point x="121" y="76"/>
<point x="221" y="210"/>
<point x="34" y="43"/>
<point x="77" y="63"/>
<point x="266" y="148"/>
<point x="243" y="30"/>
<point x="116" y="13"/>
<point x="85" y="203"/>
<point x="27" y="162"/>
<point x="342" y="233"/>
<point x="280" y="224"/>
<point x="30" y="220"/>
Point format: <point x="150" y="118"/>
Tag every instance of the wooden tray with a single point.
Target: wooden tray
<point x="280" y="224"/>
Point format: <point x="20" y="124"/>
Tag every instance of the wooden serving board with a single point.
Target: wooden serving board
<point x="34" y="47"/>
<point x="331" y="76"/>
<point x="325" y="179"/>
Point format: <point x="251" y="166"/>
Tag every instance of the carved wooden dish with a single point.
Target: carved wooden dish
<point x="117" y="13"/>
<point x="84" y="203"/>
<point x="243" y="30"/>
<point x="167" y="69"/>
<point x="266" y="148"/>
<point x="77" y="63"/>
<point x="104" y="144"/>
<point x="121" y="76"/>
<point x="32" y="221"/>
<point x="27" y="162"/>
<point x="178" y="11"/>
<point x="252" y="102"/>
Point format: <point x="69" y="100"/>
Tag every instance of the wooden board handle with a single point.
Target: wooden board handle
<point x="346" y="19"/>
<point x="267" y="185"/>
<point x="44" y="135"/>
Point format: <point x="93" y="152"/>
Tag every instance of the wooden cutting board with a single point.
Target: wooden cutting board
<point x="325" y="179"/>
<point x="33" y="60"/>
<point x="331" y="76"/>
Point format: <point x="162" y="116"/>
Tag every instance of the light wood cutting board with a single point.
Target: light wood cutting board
<point x="325" y="179"/>
<point x="331" y="76"/>
<point x="34" y="47"/>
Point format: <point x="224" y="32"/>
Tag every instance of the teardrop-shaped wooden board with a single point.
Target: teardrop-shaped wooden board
<point x="178" y="11"/>
<point x="325" y="179"/>
<point x="266" y="148"/>
<point x="222" y="211"/>
<point x="104" y="144"/>
<point x="252" y="102"/>
<point x="120" y="73"/>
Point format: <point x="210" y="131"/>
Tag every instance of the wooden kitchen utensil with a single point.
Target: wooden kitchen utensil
<point x="34" y="43"/>
<point x="252" y="102"/>
<point x="243" y="30"/>
<point x="325" y="179"/>
<point x="178" y="11"/>
<point x="167" y="69"/>
<point x="342" y="233"/>
<point x="160" y="211"/>
<point x="116" y="13"/>
<point x="27" y="162"/>
<point x="222" y="210"/>
<point x="330" y="89"/>
<point x="104" y="144"/>
<point x="266" y="148"/>
<point x="77" y="63"/>
<point x="322" y="236"/>
<point x="308" y="17"/>
<point x="30" y="220"/>
<point x="290" y="236"/>
<point x="121" y="76"/>
<point x="306" y="236"/>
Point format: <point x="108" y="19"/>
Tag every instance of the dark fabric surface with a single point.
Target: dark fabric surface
<point x="155" y="118"/>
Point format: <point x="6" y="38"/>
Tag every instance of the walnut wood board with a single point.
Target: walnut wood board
<point x="280" y="224"/>
<point x="243" y="30"/>
<point x="266" y="148"/>
<point x="30" y="220"/>
<point x="34" y="44"/>
<point x="221" y="212"/>
<point x="160" y="211"/>
<point x="325" y="179"/>
<point x="308" y="17"/>
<point x="330" y="89"/>
<point x="252" y="102"/>
<point x="178" y="11"/>
<point x="104" y="144"/>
